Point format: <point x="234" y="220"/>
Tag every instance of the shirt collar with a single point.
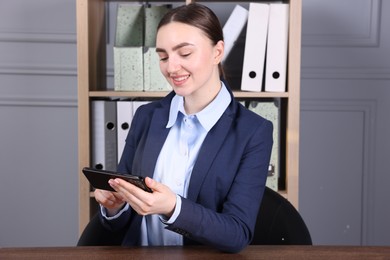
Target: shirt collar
<point x="209" y="116"/>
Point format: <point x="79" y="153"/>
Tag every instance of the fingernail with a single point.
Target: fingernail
<point x="112" y="182"/>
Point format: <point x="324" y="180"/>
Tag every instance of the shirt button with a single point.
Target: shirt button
<point x="179" y="183"/>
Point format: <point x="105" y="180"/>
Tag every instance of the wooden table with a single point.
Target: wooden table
<point x="160" y="253"/>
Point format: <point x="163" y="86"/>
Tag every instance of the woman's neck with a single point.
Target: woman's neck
<point x="198" y="101"/>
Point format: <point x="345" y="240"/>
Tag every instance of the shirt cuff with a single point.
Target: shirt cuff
<point x="104" y="212"/>
<point x="175" y="214"/>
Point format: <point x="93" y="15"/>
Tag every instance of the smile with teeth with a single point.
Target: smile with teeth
<point x="180" y="78"/>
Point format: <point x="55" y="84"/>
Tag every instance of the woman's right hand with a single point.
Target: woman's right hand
<point x="112" y="201"/>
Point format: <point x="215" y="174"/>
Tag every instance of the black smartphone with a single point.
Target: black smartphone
<point x="99" y="179"/>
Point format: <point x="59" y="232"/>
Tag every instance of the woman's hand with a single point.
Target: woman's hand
<point x="112" y="201"/>
<point x="161" y="201"/>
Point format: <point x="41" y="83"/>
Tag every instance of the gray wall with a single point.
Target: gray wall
<point x="344" y="123"/>
<point x="38" y="123"/>
<point x="345" y="126"/>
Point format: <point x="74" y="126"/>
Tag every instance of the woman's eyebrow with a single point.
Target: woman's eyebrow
<point x="180" y="45"/>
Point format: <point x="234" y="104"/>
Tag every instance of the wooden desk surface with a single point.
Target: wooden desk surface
<point x="150" y="253"/>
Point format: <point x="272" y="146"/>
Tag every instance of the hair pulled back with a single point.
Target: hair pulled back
<point x="199" y="16"/>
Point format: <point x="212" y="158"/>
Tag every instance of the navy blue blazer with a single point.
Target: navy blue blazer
<point x="227" y="181"/>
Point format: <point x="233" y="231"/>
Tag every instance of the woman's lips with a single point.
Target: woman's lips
<point x="179" y="80"/>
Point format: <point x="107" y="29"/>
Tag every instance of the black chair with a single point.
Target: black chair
<point x="278" y="223"/>
<point x="95" y="234"/>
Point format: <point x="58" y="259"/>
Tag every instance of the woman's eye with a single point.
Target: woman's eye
<point x="163" y="58"/>
<point x="186" y="54"/>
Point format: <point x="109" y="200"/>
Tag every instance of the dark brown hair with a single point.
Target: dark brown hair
<point x="199" y="16"/>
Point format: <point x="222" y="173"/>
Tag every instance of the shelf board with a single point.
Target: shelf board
<point x="281" y="192"/>
<point x="160" y="94"/>
<point x="198" y="1"/>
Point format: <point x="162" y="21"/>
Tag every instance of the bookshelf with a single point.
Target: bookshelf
<point x="91" y="63"/>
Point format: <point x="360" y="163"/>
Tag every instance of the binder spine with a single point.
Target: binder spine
<point x="255" y="47"/>
<point x="276" y="67"/>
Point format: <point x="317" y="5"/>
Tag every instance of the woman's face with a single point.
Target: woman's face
<point x="188" y="59"/>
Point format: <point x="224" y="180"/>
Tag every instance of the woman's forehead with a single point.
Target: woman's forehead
<point x="179" y="32"/>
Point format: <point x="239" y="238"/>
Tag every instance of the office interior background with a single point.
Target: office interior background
<point x="344" y="137"/>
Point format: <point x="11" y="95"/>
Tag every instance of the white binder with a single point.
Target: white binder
<point x="104" y="135"/>
<point x="255" y="47"/>
<point x="233" y="27"/>
<point x="276" y="67"/>
<point x="125" y="110"/>
<point x="137" y="104"/>
<point x="124" y="118"/>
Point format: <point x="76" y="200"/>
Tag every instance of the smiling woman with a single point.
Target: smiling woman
<point x="182" y="145"/>
<point x="206" y="22"/>
<point x="189" y="61"/>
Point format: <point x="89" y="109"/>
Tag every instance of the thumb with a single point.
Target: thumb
<point x="154" y="185"/>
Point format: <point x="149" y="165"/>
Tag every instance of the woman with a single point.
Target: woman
<point x="203" y="154"/>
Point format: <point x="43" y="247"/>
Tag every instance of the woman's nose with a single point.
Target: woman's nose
<point x="173" y="65"/>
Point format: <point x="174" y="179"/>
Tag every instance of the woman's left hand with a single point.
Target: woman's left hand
<point x="161" y="201"/>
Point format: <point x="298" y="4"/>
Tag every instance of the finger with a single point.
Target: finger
<point x="117" y="196"/>
<point x="101" y="198"/>
<point x="106" y="198"/>
<point x="154" y="185"/>
<point x="150" y="182"/>
<point x="138" y="199"/>
<point x="126" y="190"/>
<point x="125" y="187"/>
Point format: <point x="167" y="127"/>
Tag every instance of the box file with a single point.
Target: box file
<point x="153" y="15"/>
<point x="270" y="109"/>
<point x="104" y="135"/>
<point x="138" y="103"/>
<point x="124" y="118"/>
<point x="134" y="66"/>
<point x="255" y="47"/>
<point x="154" y="80"/>
<point x="276" y="66"/>
<point x="125" y="113"/>
<point x="128" y="68"/>
<point x="129" y="25"/>
<point x="233" y="27"/>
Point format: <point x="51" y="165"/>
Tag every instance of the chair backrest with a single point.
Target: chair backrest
<point x="279" y="223"/>
<point x="95" y="234"/>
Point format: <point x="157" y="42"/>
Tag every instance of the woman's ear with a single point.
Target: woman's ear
<point x="219" y="49"/>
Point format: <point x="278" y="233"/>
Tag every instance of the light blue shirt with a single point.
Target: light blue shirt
<point x="176" y="161"/>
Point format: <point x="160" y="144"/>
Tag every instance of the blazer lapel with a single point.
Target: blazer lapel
<point x="155" y="140"/>
<point x="207" y="153"/>
<point x="211" y="145"/>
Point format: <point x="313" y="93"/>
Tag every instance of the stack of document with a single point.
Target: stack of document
<point x="277" y="45"/>
<point x="233" y="28"/>
<point x="270" y="109"/>
<point x="110" y="123"/>
<point x="104" y="134"/>
<point x="255" y="47"/>
<point x="265" y="57"/>
<point x="136" y="64"/>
